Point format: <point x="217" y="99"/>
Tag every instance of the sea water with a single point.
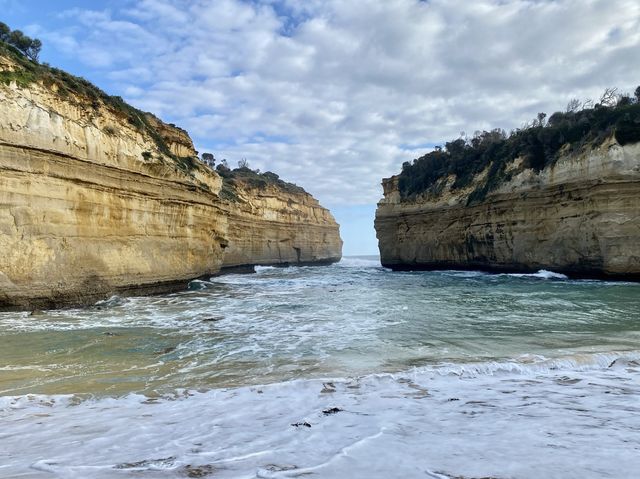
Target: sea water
<point x="349" y="370"/>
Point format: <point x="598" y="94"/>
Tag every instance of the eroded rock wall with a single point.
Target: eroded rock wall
<point x="84" y="214"/>
<point x="260" y="231"/>
<point x="580" y="216"/>
<point x="93" y="204"/>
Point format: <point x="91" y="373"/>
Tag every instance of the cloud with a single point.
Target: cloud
<point x="332" y="94"/>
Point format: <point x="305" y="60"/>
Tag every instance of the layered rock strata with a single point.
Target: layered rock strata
<point x="260" y="233"/>
<point x="96" y="200"/>
<point x="579" y="216"/>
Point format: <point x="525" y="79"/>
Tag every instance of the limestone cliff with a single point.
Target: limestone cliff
<point x="97" y="198"/>
<point x="579" y="216"/>
<point x="260" y="233"/>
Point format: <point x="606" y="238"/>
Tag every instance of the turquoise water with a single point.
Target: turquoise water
<point x="257" y="353"/>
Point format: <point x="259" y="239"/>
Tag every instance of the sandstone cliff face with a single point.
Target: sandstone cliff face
<point x="260" y="232"/>
<point x="580" y="217"/>
<point x="91" y="204"/>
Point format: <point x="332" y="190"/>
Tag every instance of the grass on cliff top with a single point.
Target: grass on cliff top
<point x="68" y="86"/>
<point x="253" y="179"/>
<point x="539" y="145"/>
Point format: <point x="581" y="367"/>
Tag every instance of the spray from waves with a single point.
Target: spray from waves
<point x="359" y="262"/>
<point x="542" y="274"/>
<point x="260" y="269"/>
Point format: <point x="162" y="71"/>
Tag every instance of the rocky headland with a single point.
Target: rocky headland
<point x="98" y="198"/>
<point x="261" y="212"/>
<point x="561" y="196"/>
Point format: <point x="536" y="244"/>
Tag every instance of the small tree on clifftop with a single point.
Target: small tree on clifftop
<point x="4" y="32"/>
<point x="30" y="47"/>
<point x="209" y="159"/>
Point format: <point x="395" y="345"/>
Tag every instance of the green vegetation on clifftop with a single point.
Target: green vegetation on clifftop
<point x="539" y="145"/>
<point x="24" y="70"/>
<point x="254" y="179"/>
<point x="70" y="87"/>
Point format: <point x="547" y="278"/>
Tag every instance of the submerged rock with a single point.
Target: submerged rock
<point x="301" y="424"/>
<point x="198" y="471"/>
<point x="330" y="411"/>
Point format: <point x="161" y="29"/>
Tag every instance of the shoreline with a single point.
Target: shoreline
<point x="495" y="269"/>
<point x="88" y="298"/>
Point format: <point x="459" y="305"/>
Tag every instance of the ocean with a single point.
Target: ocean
<point x="349" y="370"/>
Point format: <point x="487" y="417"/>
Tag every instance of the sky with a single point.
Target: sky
<point x="335" y="95"/>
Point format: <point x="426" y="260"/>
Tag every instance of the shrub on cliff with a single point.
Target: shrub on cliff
<point x="539" y="145"/>
<point x="208" y="159"/>
<point x="252" y="178"/>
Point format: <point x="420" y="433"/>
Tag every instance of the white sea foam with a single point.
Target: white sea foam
<point x="533" y="365"/>
<point x="260" y="269"/>
<point x="542" y="274"/>
<point x="359" y="262"/>
<point x="464" y="274"/>
<point x="111" y="302"/>
<point x="413" y="424"/>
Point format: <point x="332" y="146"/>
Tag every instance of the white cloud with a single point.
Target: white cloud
<point x="326" y="93"/>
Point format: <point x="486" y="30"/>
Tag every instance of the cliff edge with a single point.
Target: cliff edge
<point x="574" y="210"/>
<point x="98" y="198"/>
